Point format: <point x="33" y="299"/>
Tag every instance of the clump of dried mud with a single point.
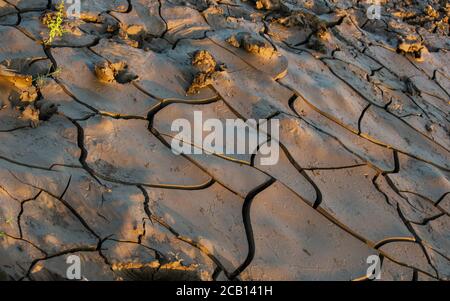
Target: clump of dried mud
<point x="251" y="44"/>
<point x="114" y="72"/>
<point x="23" y="93"/>
<point x="207" y="66"/>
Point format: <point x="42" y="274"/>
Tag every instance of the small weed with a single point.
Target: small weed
<point x="54" y="23"/>
<point x="40" y="79"/>
<point x="9" y="220"/>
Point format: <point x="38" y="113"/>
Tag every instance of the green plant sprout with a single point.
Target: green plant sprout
<point x="54" y="24"/>
<point x="9" y="221"/>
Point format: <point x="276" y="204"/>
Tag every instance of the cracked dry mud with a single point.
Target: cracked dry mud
<point x="364" y="169"/>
